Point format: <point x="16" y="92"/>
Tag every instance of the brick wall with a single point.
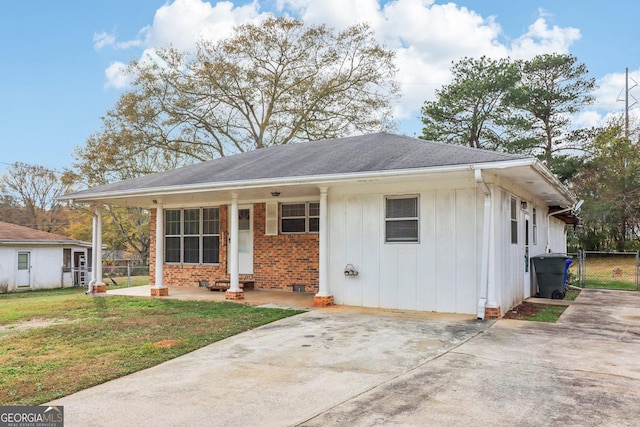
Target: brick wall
<point x="279" y="262"/>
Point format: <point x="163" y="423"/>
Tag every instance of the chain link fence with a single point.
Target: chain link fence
<point x="605" y="270"/>
<point x="114" y="275"/>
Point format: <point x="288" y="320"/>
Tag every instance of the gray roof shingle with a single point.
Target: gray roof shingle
<point x="365" y="153"/>
<point x="18" y="233"/>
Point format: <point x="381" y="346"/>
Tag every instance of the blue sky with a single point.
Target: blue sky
<point x="60" y="61"/>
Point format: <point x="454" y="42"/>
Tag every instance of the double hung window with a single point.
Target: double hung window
<point x="192" y="236"/>
<point x="401" y="219"/>
<point x="298" y="218"/>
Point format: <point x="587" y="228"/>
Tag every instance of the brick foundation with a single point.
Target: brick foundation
<point x="492" y="313"/>
<point x="324" y="301"/>
<point x="234" y="296"/>
<point x="159" y="292"/>
<point x="99" y="288"/>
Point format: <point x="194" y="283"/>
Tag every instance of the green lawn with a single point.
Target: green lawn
<point x="57" y="342"/>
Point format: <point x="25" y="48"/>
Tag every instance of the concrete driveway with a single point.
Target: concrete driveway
<point x="343" y="366"/>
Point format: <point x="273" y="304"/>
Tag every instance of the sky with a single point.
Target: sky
<point x="61" y="61"/>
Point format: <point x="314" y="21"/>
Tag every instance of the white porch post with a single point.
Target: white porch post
<point x="323" y="298"/>
<point x="159" y="289"/>
<point x="234" y="292"/>
<point x="96" y="268"/>
<point x="94" y="251"/>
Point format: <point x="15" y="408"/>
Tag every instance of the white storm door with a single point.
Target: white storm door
<point x="245" y="240"/>
<point x="527" y="261"/>
<point x="24" y="269"/>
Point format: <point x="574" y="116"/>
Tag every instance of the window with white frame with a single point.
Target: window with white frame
<point x="514" y="221"/>
<point x="298" y="218"/>
<point x="192" y="236"/>
<point x="534" y="226"/>
<point x="401" y="219"/>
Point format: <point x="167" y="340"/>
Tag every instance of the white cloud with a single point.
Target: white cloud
<point x="103" y="39"/>
<point x="116" y="76"/>
<point x="540" y="39"/>
<point x="427" y="37"/>
<point x="181" y="23"/>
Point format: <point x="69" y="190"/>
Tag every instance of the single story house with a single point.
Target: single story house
<point x="378" y="220"/>
<point x="34" y="259"/>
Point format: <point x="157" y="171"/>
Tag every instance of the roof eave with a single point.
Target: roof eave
<point x="320" y="180"/>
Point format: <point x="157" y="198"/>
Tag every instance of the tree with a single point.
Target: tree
<point x="271" y="83"/>
<point x="609" y="183"/>
<point x="552" y="87"/>
<point x="33" y="190"/>
<point x="276" y="82"/>
<point x="470" y="110"/>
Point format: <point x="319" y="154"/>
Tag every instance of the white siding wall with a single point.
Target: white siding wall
<point x="46" y="263"/>
<point x="510" y="281"/>
<point x="8" y="266"/>
<point x="440" y="273"/>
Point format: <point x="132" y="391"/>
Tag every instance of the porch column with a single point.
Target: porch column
<point x="234" y="293"/>
<point x="96" y="269"/>
<point x="159" y="289"/>
<point x="323" y="298"/>
<point x="94" y="229"/>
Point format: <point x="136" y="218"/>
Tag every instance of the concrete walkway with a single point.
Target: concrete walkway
<point x="262" y="298"/>
<point x="345" y="366"/>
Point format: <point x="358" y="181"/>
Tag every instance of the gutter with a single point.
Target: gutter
<point x="575" y="207"/>
<point x="486" y="240"/>
<point x="97" y="195"/>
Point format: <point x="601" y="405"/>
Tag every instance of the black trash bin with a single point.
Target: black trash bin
<point x="551" y="272"/>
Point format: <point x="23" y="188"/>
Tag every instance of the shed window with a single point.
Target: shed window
<point x="192" y="236"/>
<point x="296" y="218"/>
<point x="401" y="219"/>
<point x="514" y="221"/>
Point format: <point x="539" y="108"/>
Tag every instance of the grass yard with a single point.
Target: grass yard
<point x="57" y="342"/>
<point x="541" y="312"/>
<point x="123" y="281"/>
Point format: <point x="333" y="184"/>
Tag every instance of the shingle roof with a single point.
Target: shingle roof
<point x="365" y="153"/>
<point x="18" y="233"/>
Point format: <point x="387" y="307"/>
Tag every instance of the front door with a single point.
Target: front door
<point x="245" y="239"/>
<point x="527" y="262"/>
<point x="24" y="269"/>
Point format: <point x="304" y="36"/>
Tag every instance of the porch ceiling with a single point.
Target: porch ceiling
<point x="204" y="197"/>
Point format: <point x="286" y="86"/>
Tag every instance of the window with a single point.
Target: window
<point x="534" y="226"/>
<point x="401" y="219"/>
<point x="66" y="259"/>
<point x="296" y="218"/>
<point x="192" y="236"/>
<point x="514" y="221"/>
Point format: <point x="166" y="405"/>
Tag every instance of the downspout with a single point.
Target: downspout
<point x="486" y="229"/>
<point x="575" y="207"/>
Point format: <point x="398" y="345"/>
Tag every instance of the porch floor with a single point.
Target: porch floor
<point x="299" y="300"/>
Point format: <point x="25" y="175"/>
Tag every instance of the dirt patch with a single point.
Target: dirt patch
<point x="522" y="311"/>
<point x="7" y="330"/>
<point x="165" y="343"/>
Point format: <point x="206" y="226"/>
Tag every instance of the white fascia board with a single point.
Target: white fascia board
<point x="553" y="180"/>
<point x="292" y="181"/>
<point x="42" y="243"/>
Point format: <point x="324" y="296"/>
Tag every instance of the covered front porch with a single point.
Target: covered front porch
<point x="280" y="299"/>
